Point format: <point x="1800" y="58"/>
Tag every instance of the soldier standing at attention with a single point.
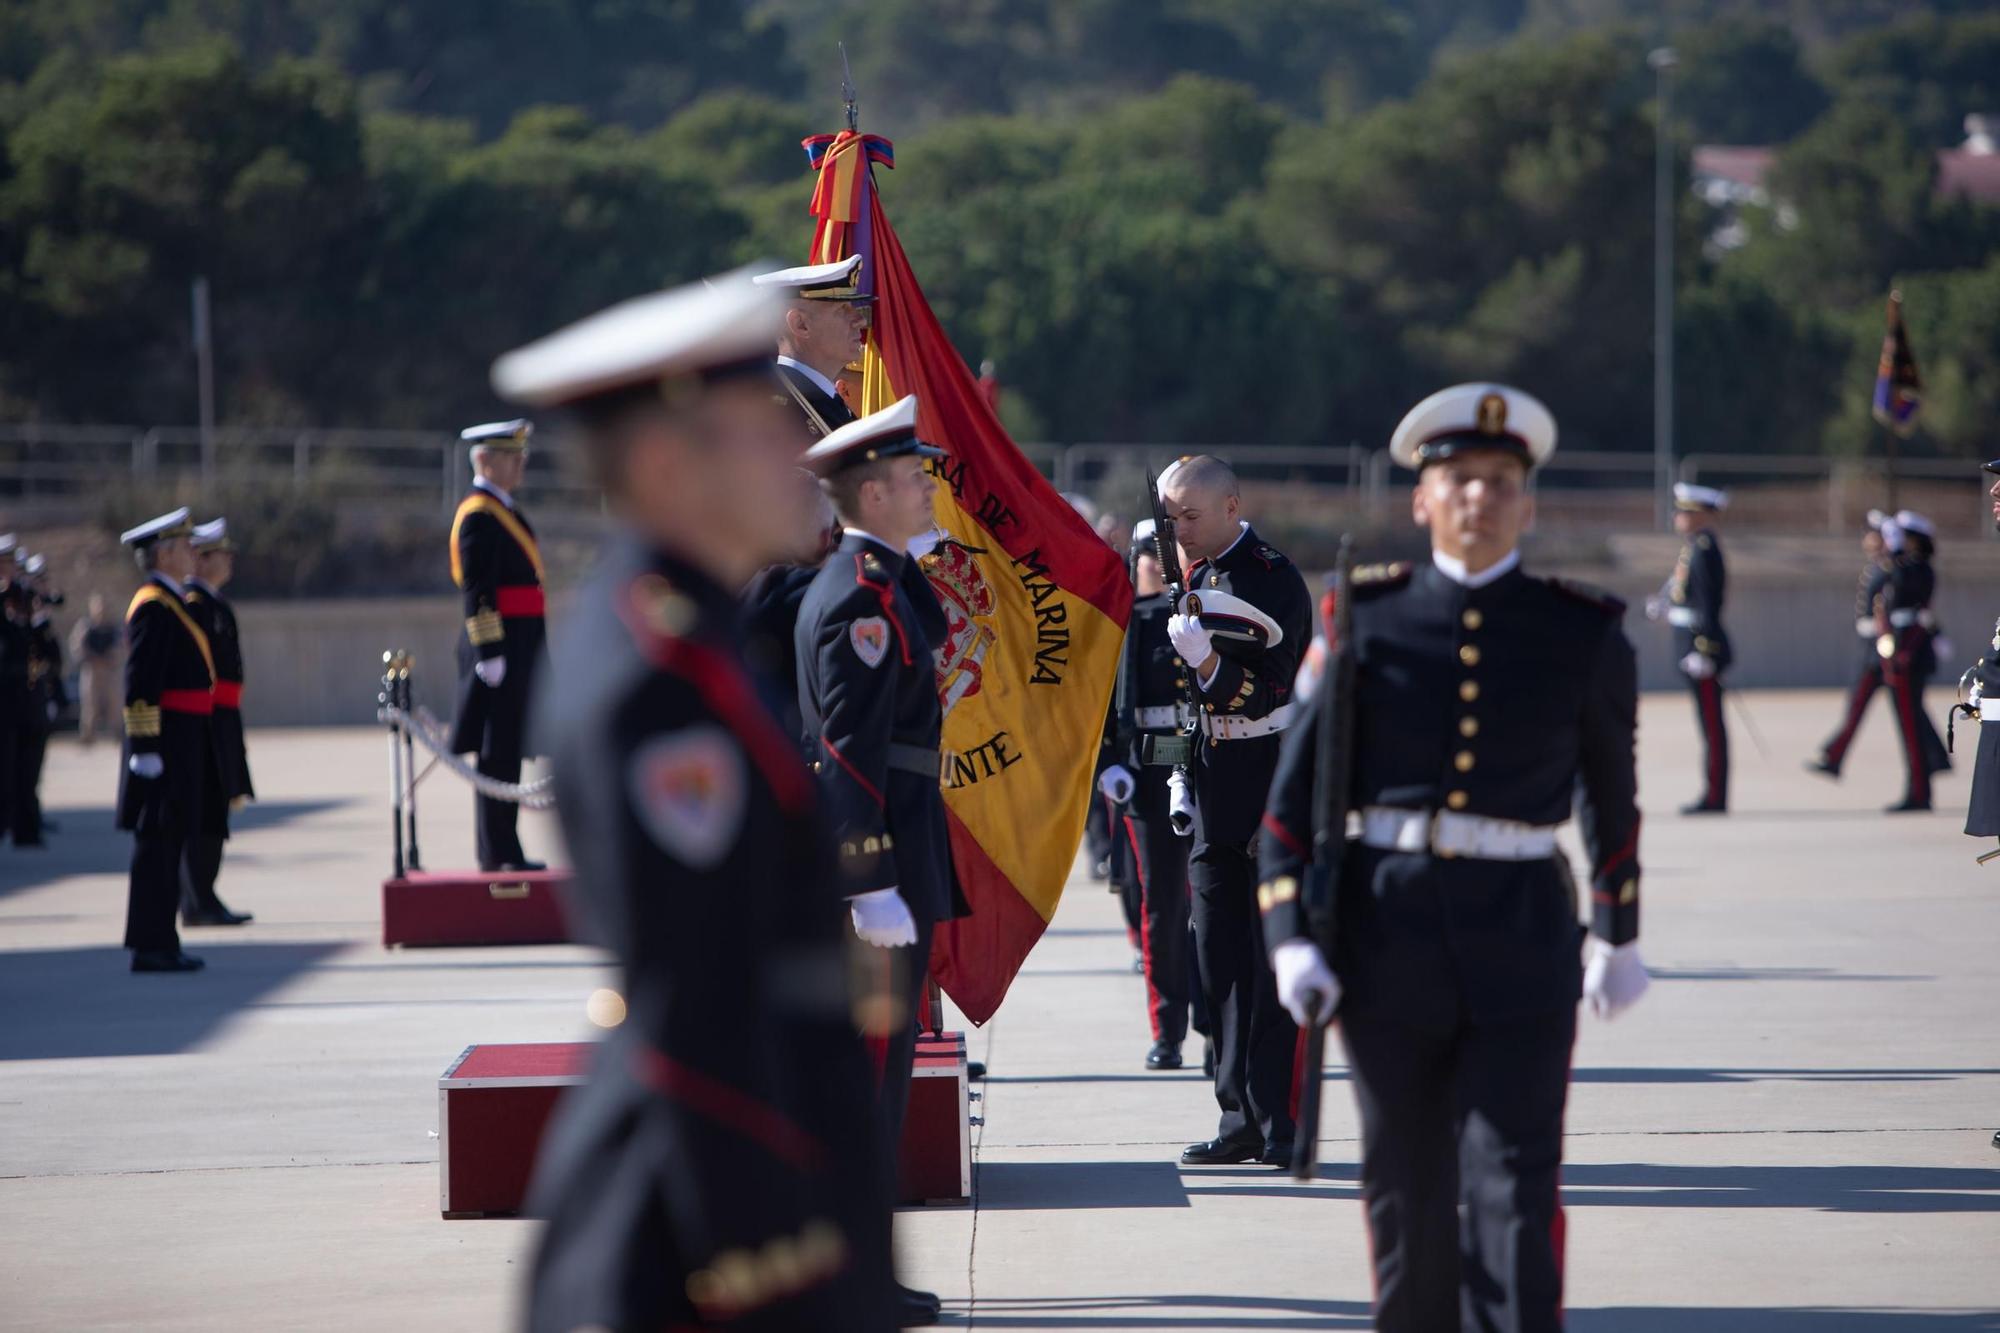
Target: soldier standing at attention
<point x="820" y="338"/>
<point x="1242" y="624"/>
<point x="1487" y="701"/>
<point x="497" y="565"/>
<point x="1875" y="562"/>
<point x="1152" y="709"/>
<point x="30" y="599"/>
<point x="1908" y="645"/>
<point x="722" y="1166"/>
<point x="169" y="745"/>
<point x="868" y="695"/>
<point x="228" y="782"/>
<point x="1692" y="604"/>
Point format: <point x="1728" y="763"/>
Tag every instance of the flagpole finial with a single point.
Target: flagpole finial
<point x="847" y="94"/>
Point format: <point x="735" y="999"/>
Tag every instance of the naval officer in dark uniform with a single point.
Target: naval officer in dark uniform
<point x="868" y="697"/>
<point x="1907" y="642"/>
<point x="722" y="1167"/>
<point x="169" y="744"/>
<point x="1875" y="563"/>
<point x="1691" y="603"/>
<point x="1486" y="702"/>
<point x="497" y="565"/>
<point x="823" y="328"/>
<point x="1151" y="717"/>
<point x="1243" y="621"/>
<point x="228" y="781"/>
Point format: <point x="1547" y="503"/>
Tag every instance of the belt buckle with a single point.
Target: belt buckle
<point x="1433" y="840"/>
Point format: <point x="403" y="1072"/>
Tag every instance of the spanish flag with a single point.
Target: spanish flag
<point x="1036" y="606"/>
<point x="1898" y="387"/>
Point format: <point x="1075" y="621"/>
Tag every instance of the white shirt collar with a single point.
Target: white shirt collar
<point x="1242" y="531"/>
<point x="171" y="586"/>
<point x="866" y="535"/>
<point x="481" y="484"/>
<point x="825" y="385"/>
<point x="1454" y="569"/>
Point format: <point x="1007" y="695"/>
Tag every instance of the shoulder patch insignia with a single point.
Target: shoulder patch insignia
<point x="1584" y="592"/>
<point x="688" y="789"/>
<point x="665" y="611"/>
<point x="1382" y="576"/>
<point x="871" y="564"/>
<point x="869" y="637"/>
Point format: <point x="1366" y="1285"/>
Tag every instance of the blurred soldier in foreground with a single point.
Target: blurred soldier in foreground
<point x="169" y="744"/>
<point x="498" y="566"/>
<point x="1239" y="631"/>
<point x="1150" y="704"/>
<point x="28" y="601"/>
<point x="868" y="695"/>
<point x="1907" y="641"/>
<point x="1979" y="695"/>
<point x="13" y="678"/>
<point x="1875" y="563"/>
<point x="821" y="336"/>
<point x="722" y="1167"/>
<point x="1691" y="602"/>
<point x="93" y="642"/>
<point x="1486" y="702"/>
<point x="228" y="782"/>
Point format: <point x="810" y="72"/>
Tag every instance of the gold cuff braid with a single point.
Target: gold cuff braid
<point x="485" y="628"/>
<point x="142" y="720"/>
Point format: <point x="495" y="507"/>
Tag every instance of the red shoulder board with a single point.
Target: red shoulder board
<point x="1584" y="592"/>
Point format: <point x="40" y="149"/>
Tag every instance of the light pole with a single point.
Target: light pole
<point x="1663" y="61"/>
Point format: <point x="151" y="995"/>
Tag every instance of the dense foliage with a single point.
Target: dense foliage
<point x="1170" y="220"/>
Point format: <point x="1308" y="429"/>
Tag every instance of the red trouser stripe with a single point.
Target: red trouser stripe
<point x="1145" y="934"/>
<point x="1298" y="1075"/>
<point x="1904" y="689"/>
<point x="1711" y="715"/>
<point x="1864" y="689"/>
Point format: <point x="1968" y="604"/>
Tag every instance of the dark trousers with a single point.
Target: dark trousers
<point x="1160" y="857"/>
<point x="155" y="887"/>
<point x="201" y="863"/>
<point x="1919" y="737"/>
<point x="494" y="822"/>
<point x="1469" y="1117"/>
<point x="1255" y="1039"/>
<point x="11" y="736"/>
<point x="30" y="752"/>
<point x="1869" y="680"/>
<point x="1714" y="739"/>
<point x="911" y="974"/>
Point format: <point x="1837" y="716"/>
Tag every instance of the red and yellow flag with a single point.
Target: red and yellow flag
<point x="1035" y="604"/>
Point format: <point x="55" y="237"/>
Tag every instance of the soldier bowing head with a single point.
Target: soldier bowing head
<point x="1200" y="495"/>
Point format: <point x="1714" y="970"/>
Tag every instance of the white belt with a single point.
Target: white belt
<point x="1681" y="617"/>
<point x="1449" y="833"/>
<point x="1162" y="715"/>
<point x="1989" y="710"/>
<point x="1912" y="616"/>
<point x="1229" y="727"/>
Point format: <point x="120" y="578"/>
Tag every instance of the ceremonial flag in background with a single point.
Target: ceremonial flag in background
<point x="1898" y="387"/>
<point x="1035" y="603"/>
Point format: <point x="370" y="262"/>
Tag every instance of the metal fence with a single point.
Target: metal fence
<point x="1578" y="491"/>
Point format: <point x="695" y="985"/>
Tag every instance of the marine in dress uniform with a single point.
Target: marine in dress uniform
<point x="29" y="600"/>
<point x="821" y="336"/>
<point x="229" y="778"/>
<point x="1487" y="701"/>
<point x="1868" y="664"/>
<point x="722" y="1167"/>
<point x="1243" y="622"/>
<point x="1979" y="694"/>
<point x="497" y="565"/>
<point x="169" y="741"/>
<point x="1908" y="645"/>
<point x="869" y="701"/>
<point x="1693" y="607"/>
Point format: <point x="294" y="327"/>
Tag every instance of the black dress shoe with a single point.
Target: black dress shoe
<point x="975" y="1070"/>
<point x="1996" y="1138"/>
<point x="1222" y="1152"/>
<point x="914" y="1311"/>
<point x="216" y="916"/>
<point x="1824" y="769"/>
<point x="1164" y="1055"/>
<point x="1704" y="808"/>
<point x="1906" y="807"/>
<point x="165" y="960"/>
<point x="913" y="1296"/>
<point x="1277" y="1155"/>
<point x="522" y="865"/>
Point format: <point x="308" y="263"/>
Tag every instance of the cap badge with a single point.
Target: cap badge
<point x="1493" y="415"/>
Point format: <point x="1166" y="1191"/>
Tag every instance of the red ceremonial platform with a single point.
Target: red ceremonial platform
<point x="495" y="1101"/>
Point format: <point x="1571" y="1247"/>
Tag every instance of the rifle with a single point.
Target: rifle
<point x="1175" y="750"/>
<point x="1333" y="769"/>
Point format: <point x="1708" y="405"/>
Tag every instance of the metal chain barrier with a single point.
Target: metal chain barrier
<point x="424" y="726"/>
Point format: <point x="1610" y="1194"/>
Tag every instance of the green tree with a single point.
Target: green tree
<point x="1743" y="81"/>
<point x="1926" y="72"/>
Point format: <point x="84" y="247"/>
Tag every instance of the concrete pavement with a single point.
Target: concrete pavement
<point x="1790" y="1133"/>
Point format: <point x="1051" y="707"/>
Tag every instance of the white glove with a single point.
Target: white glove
<point x="1614" y="977"/>
<point x="1180" y="804"/>
<point x="492" y="670"/>
<point x="1190" y="640"/>
<point x="1701" y="668"/>
<point x="924" y="543"/>
<point x="883" y="919"/>
<point x="1306" y="985"/>
<point x="1656" y="606"/>
<point x="1117" y="784"/>
<point x="146" y="765"/>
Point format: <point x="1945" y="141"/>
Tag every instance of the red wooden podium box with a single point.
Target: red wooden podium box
<point x="495" y="1101"/>
<point x="444" y="907"/>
